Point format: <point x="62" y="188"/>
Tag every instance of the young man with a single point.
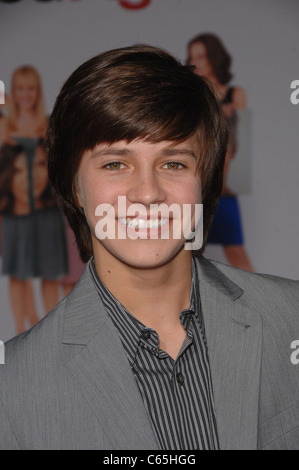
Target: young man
<point x="156" y="347"/>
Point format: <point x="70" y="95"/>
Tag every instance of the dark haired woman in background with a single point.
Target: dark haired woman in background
<point x="212" y="61"/>
<point x="31" y="229"/>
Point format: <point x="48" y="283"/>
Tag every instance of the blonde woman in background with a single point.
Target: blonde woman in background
<point x="33" y="238"/>
<point x="3" y="110"/>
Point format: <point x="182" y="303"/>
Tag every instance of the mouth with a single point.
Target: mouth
<point x="139" y="223"/>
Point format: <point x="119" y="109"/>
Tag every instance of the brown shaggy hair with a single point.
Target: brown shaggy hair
<point x="128" y="93"/>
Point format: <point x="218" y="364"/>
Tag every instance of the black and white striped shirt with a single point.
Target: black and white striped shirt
<point x="177" y="394"/>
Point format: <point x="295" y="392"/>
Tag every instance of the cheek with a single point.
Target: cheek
<point x="20" y="181"/>
<point x="90" y="195"/>
<point x="40" y="174"/>
<point x="19" y="188"/>
<point x="190" y="193"/>
<point x="34" y="96"/>
<point x="43" y="181"/>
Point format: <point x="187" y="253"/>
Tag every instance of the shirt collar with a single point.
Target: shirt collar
<point x="132" y="332"/>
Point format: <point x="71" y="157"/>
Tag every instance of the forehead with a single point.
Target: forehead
<point x="198" y="49"/>
<point x="25" y="79"/>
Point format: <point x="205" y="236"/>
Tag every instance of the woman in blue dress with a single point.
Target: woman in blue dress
<point x="211" y="60"/>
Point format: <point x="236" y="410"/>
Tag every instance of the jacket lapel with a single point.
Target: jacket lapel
<point x="102" y="371"/>
<point x="234" y="334"/>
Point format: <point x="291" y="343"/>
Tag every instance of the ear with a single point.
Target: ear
<point x="79" y="194"/>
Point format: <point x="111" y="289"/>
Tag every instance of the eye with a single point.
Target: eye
<point x="174" y="165"/>
<point x="114" y="165"/>
<point x="40" y="164"/>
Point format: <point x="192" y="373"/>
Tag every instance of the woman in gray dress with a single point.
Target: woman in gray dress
<point x="33" y="230"/>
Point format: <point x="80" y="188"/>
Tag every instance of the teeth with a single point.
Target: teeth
<point x="141" y="223"/>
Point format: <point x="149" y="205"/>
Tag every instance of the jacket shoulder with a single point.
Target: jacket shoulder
<point x="27" y="352"/>
<point x="261" y="285"/>
<point x="275" y="298"/>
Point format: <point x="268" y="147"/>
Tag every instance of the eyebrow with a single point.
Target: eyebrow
<point x="110" y="151"/>
<point x="178" y="151"/>
<point x="124" y="151"/>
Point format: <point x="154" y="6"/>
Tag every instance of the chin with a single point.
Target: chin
<point x="149" y="257"/>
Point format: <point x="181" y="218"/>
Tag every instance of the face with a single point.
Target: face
<point x="198" y="57"/>
<point x="26" y="92"/>
<point x="147" y="177"/>
<point x="20" y="181"/>
<point x="20" y="185"/>
<point x="40" y="175"/>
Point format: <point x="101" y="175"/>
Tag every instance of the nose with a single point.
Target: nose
<point x="146" y="188"/>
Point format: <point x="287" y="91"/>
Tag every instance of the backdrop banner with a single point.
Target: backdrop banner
<point x="43" y="41"/>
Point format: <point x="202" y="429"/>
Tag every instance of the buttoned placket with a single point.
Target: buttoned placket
<point x="149" y="340"/>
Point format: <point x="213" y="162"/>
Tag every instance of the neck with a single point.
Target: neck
<point x="26" y="113"/>
<point x="21" y="208"/>
<point x="28" y="124"/>
<point x="152" y="295"/>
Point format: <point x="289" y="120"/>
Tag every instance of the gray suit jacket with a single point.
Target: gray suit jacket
<point x="67" y="383"/>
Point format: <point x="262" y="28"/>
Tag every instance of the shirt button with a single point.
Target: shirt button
<point x="145" y="334"/>
<point x="180" y="378"/>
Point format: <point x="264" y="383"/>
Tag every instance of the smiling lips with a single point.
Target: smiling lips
<point x="139" y="223"/>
